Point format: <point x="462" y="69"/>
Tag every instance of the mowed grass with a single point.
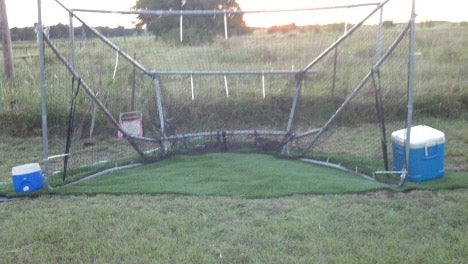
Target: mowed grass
<point x="378" y="227"/>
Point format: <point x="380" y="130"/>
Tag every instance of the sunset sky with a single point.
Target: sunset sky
<point x="23" y="13"/>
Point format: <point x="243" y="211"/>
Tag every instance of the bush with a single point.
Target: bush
<point x="388" y="24"/>
<point x="282" y="28"/>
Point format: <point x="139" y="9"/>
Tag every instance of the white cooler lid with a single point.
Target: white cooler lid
<point x="421" y="136"/>
<point x="25" y="169"/>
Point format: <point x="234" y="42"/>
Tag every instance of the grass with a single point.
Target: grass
<point x="378" y="227"/>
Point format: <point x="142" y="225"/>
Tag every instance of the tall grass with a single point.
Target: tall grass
<point x="439" y="74"/>
<point x="440" y="84"/>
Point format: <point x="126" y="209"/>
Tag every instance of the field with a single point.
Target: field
<point x="237" y="208"/>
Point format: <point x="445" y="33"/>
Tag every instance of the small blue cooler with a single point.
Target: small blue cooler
<point x="426" y="154"/>
<point x="27" y="178"/>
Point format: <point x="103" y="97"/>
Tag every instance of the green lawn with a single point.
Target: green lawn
<point x="377" y="227"/>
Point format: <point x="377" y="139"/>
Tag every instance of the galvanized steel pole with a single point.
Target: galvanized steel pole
<point x="71" y="32"/>
<point x="157" y="88"/>
<point x="45" y="141"/>
<point x="292" y="114"/>
<point x="410" y="88"/>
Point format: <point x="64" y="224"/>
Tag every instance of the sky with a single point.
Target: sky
<point x="23" y="13"/>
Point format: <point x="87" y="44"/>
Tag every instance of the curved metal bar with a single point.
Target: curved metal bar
<point x="338" y="167"/>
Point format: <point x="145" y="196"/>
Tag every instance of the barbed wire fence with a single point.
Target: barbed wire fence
<point x="123" y="100"/>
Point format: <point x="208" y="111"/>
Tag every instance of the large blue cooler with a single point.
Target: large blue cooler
<point x="426" y="153"/>
<point x="27" y="178"/>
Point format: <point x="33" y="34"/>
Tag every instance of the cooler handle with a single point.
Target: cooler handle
<point x="426" y="153"/>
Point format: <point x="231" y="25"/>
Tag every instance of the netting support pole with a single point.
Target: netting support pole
<point x="410" y="88"/>
<point x="225" y="27"/>
<point x="226" y="86"/>
<point x="377" y="86"/>
<point x="71" y="32"/>
<point x="292" y="114"/>
<point x="380" y="114"/>
<point x="378" y="51"/>
<point x="134" y="79"/>
<point x="181" y="28"/>
<point x="191" y="87"/>
<point x="157" y="88"/>
<point x="45" y="141"/>
<point x="335" y="64"/>
<point x="263" y="86"/>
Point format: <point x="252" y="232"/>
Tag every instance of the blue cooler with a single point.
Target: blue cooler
<point x="27" y="178"/>
<point x="426" y="154"/>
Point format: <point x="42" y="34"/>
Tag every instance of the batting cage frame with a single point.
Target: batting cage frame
<point x="293" y="141"/>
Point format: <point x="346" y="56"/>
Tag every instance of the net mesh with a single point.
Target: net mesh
<point x="230" y="94"/>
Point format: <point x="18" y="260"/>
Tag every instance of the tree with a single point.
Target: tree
<point x="26" y="33"/>
<point x="197" y="29"/>
<point x="6" y="42"/>
<point x="58" y="31"/>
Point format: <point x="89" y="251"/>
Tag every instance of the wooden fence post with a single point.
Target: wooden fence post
<point x="6" y="42"/>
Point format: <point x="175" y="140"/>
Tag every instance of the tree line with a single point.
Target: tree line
<point x="196" y="29"/>
<point x="62" y="31"/>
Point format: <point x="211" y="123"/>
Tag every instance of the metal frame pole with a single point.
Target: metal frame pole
<point x="335" y="64"/>
<point x="410" y="88"/>
<point x="71" y="32"/>
<point x="378" y="93"/>
<point x="45" y="141"/>
<point x="192" y="88"/>
<point x="216" y="11"/>
<point x="181" y="28"/>
<point x="225" y="27"/>
<point x="292" y="114"/>
<point x="157" y="88"/>
<point x="226" y="87"/>
<point x="378" y="51"/>
<point x="263" y="86"/>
